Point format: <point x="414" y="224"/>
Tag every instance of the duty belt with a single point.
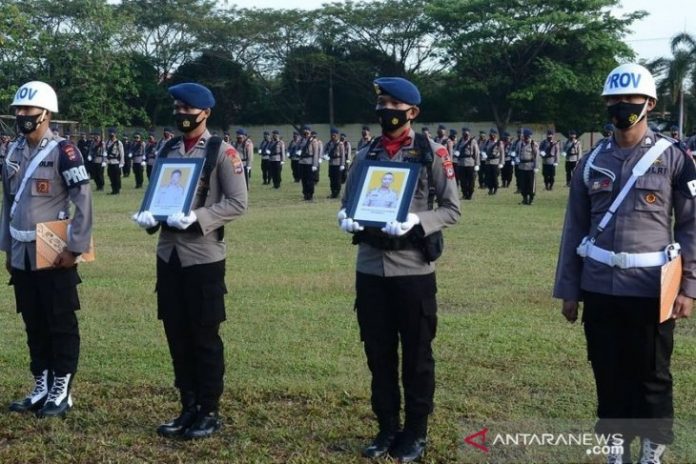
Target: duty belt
<point x="384" y="242"/>
<point x="623" y="260"/>
<point x="23" y="235"/>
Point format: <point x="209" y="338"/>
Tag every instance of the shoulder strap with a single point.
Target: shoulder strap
<point x="38" y="158"/>
<point x="638" y="170"/>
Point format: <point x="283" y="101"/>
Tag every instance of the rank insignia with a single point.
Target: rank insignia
<point x="42" y="186"/>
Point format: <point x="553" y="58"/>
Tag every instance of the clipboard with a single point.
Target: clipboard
<point x="670" y="282"/>
<point x="51" y="240"/>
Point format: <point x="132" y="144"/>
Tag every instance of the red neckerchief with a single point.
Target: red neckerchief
<point x="190" y="143"/>
<point x="392" y="146"/>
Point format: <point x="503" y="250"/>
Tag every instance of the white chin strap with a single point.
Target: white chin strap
<point x="642" y="113"/>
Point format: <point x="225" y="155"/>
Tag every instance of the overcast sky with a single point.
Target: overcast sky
<point x="650" y="39"/>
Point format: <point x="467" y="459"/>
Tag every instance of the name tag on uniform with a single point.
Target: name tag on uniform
<point x="601" y="185"/>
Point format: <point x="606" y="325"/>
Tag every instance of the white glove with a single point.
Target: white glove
<point x="500" y="166"/>
<point x="120" y="165"/>
<point x="145" y="219"/>
<point x="314" y="168"/>
<point x="347" y="161"/>
<point x="143" y="163"/>
<point x="103" y="164"/>
<point x="321" y="160"/>
<point x="180" y="221"/>
<point x="347" y="224"/>
<point x="397" y="229"/>
<point x="130" y="155"/>
<point x="282" y="163"/>
<point x="248" y="168"/>
<point x="476" y="168"/>
<point x="342" y="168"/>
<point x="555" y="164"/>
<point x="89" y="158"/>
<point x="268" y="152"/>
<point x="536" y="169"/>
<point x="457" y="153"/>
<point x="484" y="156"/>
<point x="298" y="152"/>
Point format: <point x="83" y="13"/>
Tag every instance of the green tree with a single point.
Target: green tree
<point x="520" y="53"/>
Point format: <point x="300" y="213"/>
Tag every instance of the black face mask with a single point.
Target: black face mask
<point x="28" y="124"/>
<point x="391" y="119"/>
<point x="625" y="115"/>
<point x="187" y="122"/>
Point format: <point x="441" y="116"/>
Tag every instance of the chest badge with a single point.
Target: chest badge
<point x="42" y="186"/>
<point x="650" y="198"/>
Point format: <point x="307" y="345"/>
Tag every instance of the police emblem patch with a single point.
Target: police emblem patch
<point x="42" y="186"/>
<point x="650" y="198"/>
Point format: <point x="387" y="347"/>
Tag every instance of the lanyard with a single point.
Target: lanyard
<point x="38" y="158"/>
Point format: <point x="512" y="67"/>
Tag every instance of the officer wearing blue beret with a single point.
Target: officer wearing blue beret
<point x="245" y="147"/>
<point x="308" y="163"/>
<point x="395" y="274"/>
<point x="276" y="159"/>
<point x="191" y="254"/>
<point x="265" y="154"/>
<point x="115" y="160"/>
<point x="334" y="153"/>
<point x="365" y="139"/>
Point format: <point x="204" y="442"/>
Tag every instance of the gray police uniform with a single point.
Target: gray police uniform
<point x="309" y="157"/>
<point x="495" y="153"/>
<point x="294" y="150"/>
<point x="191" y="274"/>
<point x="527" y="156"/>
<point x="572" y="151"/>
<point x="395" y="289"/>
<point x="48" y="298"/>
<point x="138" y="151"/>
<point x="549" y="160"/>
<point x="114" y="160"/>
<point x="468" y="155"/>
<point x="335" y="150"/>
<point x="150" y="157"/>
<point x="628" y="348"/>
<point x="277" y="156"/>
<point x="265" y="154"/>
<point x="245" y="148"/>
<point x="96" y="160"/>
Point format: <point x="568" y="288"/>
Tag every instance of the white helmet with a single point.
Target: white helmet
<point x="630" y="78"/>
<point x="38" y="94"/>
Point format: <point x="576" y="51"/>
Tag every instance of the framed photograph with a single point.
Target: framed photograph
<point x="172" y="186"/>
<point x="383" y="192"/>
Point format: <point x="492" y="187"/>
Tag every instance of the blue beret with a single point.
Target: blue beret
<point x="335" y="130"/>
<point x="398" y="88"/>
<point x="343" y="134"/>
<point x="266" y="133"/>
<point x="441" y="127"/>
<point x="112" y="130"/>
<point x="136" y="134"/>
<point x="150" y="134"/>
<point x="453" y="131"/>
<point x="493" y="131"/>
<point x="550" y="132"/>
<point x="572" y="132"/>
<point x="275" y="131"/>
<point x="519" y="131"/>
<point x="674" y="128"/>
<point x="424" y="129"/>
<point x="505" y="134"/>
<point x="306" y="127"/>
<point x="483" y="132"/>
<point x="241" y="131"/>
<point x="527" y="132"/>
<point x="609" y="127"/>
<point x="193" y="94"/>
<point x="168" y="129"/>
<point x="465" y="129"/>
<point x="295" y="133"/>
<point x="313" y="132"/>
<point x="366" y="128"/>
<point x="226" y="133"/>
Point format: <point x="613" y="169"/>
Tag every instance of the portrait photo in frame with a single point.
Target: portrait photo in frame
<point x="383" y="192"/>
<point x="172" y="187"/>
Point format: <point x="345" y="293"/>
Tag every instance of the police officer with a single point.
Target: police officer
<point x="336" y="156"/>
<point x="83" y="145"/>
<point x="426" y="132"/>
<point x="514" y="155"/>
<point x="508" y="166"/>
<point x="628" y="348"/>
<point x="226" y="137"/>
<point x="191" y="265"/>
<point x="167" y="135"/>
<point x="441" y="136"/>
<point x="137" y="149"/>
<point x="114" y="160"/>
<point x="572" y="150"/>
<point x="548" y="150"/>
<point x="96" y="160"/>
<point x="365" y="138"/>
<point x="150" y="154"/>
<point x="493" y="154"/>
<point x="607" y="132"/>
<point x="527" y="156"/>
<point x="309" y="162"/>
<point x="467" y="153"/>
<point x="245" y="148"/>
<point x="276" y="159"/>
<point x="347" y="150"/>
<point x="320" y="149"/>
<point x="128" y="158"/>
<point x="265" y="154"/>
<point x="43" y="173"/>
<point x="395" y="278"/>
<point x="482" y="140"/>
<point x="294" y="151"/>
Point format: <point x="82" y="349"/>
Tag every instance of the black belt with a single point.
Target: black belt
<point x="384" y="242"/>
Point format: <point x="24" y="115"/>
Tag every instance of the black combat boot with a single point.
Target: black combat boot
<point x="384" y="440"/>
<point x="187" y="417"/>
<point x="410" y="444"/>
<point x="58" y="400"/>
<point x="205" y="425"/>
<point x="36" y="399"/>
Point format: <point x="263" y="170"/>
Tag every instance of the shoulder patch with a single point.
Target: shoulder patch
<point x="442" y="152"/>
<point x="233" y="156"/>
<point x="71" y="165"/>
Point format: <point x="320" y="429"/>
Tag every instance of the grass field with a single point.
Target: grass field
<point x="297" y="385"/>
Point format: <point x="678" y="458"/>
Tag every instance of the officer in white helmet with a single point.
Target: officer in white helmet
<point x="43" y="174"/>
<point x="631" y="210"/>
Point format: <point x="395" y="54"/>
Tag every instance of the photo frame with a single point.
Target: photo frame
<point x="382" y="192"/>
<point x="172" y="186"/>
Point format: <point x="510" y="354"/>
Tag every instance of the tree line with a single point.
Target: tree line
<point x="474" y="60"/>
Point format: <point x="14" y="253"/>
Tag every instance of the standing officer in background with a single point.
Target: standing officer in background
<point x="114" y="159"/>
<point x="347" y="150"/>
<point x="191" y="264"/>
<point x="294" y="151"/>
<point x="527" y="156"/>
<point x="494" y="152"/>
<point x="98" y="160"/>
<point x="607" y="132"/>
<point x="83" y="145"/>
<point x="508" y="161"/>
<point x="245" y="148"/>
<point x="426" y="132"/>
<point x="548" y="150"/>
<point x="265" y="154"/>
<point x="43" y="173"/>
<point x="309" y="162"/>
<point x="128" y="158"/>
<point x="150" y="154"/>
<point x="482" y="140"/>
<point x="365" y="139"/>
<point x="572" y="150"/>
<point x="468" y="155"/>
<point x="276" y="159"/>
<point x="167" y="135"/>
<point x="629" y="349"/>
<point x="137" y="149"/>
<point x="395" y="275"/>
<point x="334" y="151"/>
<point x="320" y="148"/>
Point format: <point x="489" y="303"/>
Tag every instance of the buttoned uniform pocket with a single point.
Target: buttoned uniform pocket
<point x="651" y="193"/>
<point x="42" y="182"/>
<point x="429" y="321"/>
<point x="65" y="297"/>
<point x="212" y="303"/>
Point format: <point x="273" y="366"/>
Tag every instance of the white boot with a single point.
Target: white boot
<point x="36" y="398"/>
<point x="652" y="452"/>
<point x="58" y="400"/>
